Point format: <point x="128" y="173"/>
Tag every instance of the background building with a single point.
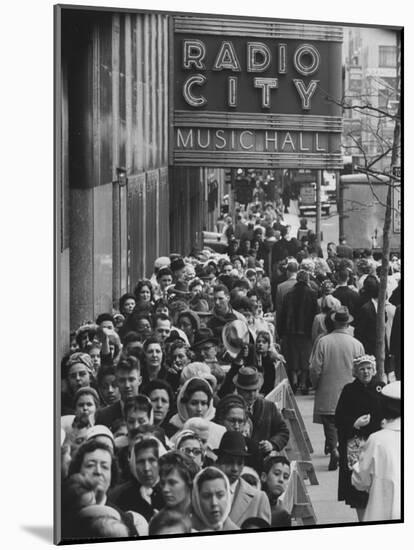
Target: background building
<point x="370" y="75"/>
<point x="121" y="205"/>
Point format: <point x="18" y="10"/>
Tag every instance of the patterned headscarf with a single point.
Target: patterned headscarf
<point x="79" y="357"/>
<point x="358" y="361"/>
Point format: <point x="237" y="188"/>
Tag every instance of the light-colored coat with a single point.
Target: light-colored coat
<point x="249" y="502"/>
<point x="379" y="472"/>
<point x="331" y="369"/>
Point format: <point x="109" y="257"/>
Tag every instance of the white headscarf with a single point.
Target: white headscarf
<point x="197" y="507"/>
<point x="180" y="418"/>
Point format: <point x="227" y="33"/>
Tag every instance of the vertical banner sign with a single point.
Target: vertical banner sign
<point x="259" y="93"/>
<point x="396" y="200"/>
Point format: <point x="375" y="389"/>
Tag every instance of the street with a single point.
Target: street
<point x="329" y="224"/>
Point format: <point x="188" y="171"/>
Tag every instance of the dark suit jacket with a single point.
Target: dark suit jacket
<point x="268" y="424"/>
<point x="366" y="326"/>
<point x="348" y="298"/>
<point x="249" y="502"/>
<point x="128" y="498"/>
<point x="109" y="414"/>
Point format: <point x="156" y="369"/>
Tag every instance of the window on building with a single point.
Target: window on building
<point x="387" y="56"/>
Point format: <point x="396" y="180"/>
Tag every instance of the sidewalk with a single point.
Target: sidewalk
<point x="323" y="496"/>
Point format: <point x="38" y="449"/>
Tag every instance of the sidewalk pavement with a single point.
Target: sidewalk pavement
<point x="323" y="496"/>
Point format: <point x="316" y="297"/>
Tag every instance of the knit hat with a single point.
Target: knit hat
<point x="361" y="360"/>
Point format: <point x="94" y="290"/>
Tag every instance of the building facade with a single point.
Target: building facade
<point x="120" y="204"/>
<point x="370" y="78"/>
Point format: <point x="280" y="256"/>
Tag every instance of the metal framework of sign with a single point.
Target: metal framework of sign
<point x="256" y="93"/>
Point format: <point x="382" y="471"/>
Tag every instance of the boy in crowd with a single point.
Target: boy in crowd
<point x="275" y="476"/>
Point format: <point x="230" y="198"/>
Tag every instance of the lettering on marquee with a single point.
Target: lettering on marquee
<point x="306" y="62"/>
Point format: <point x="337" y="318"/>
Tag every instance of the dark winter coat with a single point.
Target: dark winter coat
<point x="395" y="342"/>
<point x="299" y="308"/>
<point x="348" y="298"/>
<point x="355" y="400"/>
<point x="128" y="497"/>
<point x="366" y="326"/>
<point x="268" y="424"/>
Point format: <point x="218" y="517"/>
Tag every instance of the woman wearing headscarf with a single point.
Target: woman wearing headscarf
<point x="77" y="372"/>
<point x="212" y="501"/>
<point x="195" y="399"/>
<point x="141" y="493"/>
<point x="358" y="414"/>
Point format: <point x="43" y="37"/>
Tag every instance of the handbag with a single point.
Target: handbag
<point x="353" y="450"/>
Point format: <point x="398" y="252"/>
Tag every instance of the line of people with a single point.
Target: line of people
<point x="165" y="425"/>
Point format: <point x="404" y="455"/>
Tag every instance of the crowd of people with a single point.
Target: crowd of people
<point x="165" y="428"/>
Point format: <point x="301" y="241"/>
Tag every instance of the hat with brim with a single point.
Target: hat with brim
<point x="392" y="390"/>
<point x="248" y="378"/>
<point x="232" y="443"/>
<point x="342" y="315"/>
<point x="203" y="336"/>
<point x="235" y="334"/>
<point x="180" y="287"/>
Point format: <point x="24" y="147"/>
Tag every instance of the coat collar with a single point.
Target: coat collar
<point x="241" y="501"/>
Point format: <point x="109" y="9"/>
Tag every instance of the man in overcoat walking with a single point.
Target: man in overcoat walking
<point x="330" y="369"/>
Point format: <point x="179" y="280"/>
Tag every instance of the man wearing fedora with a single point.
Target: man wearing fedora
<point x="330" y="369"/>
<point x="205" y="345"/>
<point x="270" y="431"/>
<point x="247" y="501"/>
